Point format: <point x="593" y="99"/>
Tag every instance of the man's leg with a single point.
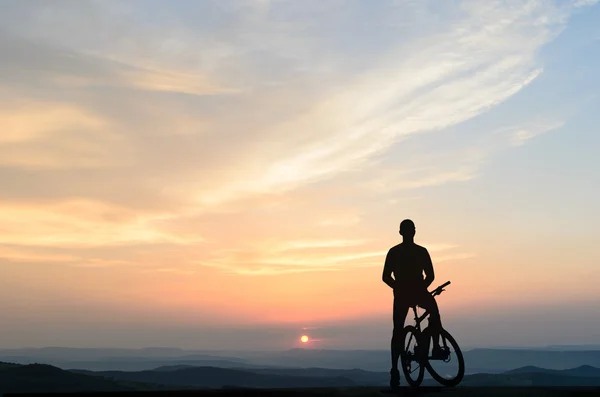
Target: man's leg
<point x="428" y="303"/>
<point x="399" y="316"/>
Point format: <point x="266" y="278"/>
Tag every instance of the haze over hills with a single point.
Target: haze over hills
<point x="69" y="369"/>
<point x="477" y="360"/>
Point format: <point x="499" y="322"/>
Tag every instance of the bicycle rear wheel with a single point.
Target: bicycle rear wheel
<point x="411" y="360"/>
<point x="450" y="375"/>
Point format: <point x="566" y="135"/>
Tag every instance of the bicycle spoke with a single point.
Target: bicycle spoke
<point x="447" y="367"/>
<point x="412" y="368"/>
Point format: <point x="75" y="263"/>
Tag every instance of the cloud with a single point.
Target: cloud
<point x="584" y="3"/>
<point x="525" y="133"/>
<point x="300" y="245"/>
<point x="39" y="135"/>
<point x="289" y="257"/>
<point x="23" y="255"/>
<point x="80" y="223"/>
<point x="453" y="257"/>
<point x="173" y="81"/>
<point x="310" y="256"/>
<point x="344" y="220"/>
<point x="28" y="121"/>
<point x="127" y="130"/>
<point x="48" y="256"/>
<point x="424" y="87"/>
<point x="378" y="109"/>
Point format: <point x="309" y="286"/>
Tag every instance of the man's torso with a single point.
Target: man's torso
<point x="408" y="262"/>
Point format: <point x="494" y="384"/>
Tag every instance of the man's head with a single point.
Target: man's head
<point x="407" y="229"/>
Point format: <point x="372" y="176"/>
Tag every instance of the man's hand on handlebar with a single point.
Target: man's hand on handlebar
<point x="440" y="289"/>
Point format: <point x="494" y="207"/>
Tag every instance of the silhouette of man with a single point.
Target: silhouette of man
<point x="407" y="262"/>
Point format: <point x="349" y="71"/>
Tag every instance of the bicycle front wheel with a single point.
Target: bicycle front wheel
<point x="449" y="369"/>
<point x="411" y="358"/>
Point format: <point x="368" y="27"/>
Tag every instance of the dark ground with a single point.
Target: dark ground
<point x="345" y="392"/>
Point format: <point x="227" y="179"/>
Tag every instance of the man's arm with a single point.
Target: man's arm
<point x="428" y="269"/>
<point x="387" y="271"/>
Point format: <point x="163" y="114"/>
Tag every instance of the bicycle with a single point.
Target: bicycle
<point x="421" y="353"/>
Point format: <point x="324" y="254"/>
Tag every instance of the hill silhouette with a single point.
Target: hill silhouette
<point x="531" y="376"/>
<point x="358" y="376"/>
<point x="507" y="359"/>
<point x="213" y="377"/>
<point x="210" y="377"/>
<point x="524" y="379"/>
<point x="581" y="371"/>
<point x="38" y="378"/>
<point x="42" y="378"/>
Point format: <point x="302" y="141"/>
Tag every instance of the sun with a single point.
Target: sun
<point x="304" y="339"/>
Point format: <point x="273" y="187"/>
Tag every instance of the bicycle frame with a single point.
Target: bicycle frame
<point x="419" y="319"/>
<point x="435" y="292"/>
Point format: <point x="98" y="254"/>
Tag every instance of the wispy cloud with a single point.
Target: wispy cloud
<point x="454" y="257"/>
<point x="456" y="72"/>
<point x="525" y="133"/>
<point x="312" y="256"/>
<point x="77" y="223"/>
<point x="584" y="3"/>
<point x="345" y="220"/>
<point x="238" y="125"/>
<point x="307" y="244"/>
<point x="25" y="255"/>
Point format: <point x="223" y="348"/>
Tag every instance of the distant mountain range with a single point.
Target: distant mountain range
<point x="164" y="368"/>
<point x="35" y="378"/>
<point x="15" y="378"/>
<point x="477" y="360"/>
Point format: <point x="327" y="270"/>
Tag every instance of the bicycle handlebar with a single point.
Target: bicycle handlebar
<point x="439" y="289"/>
<point x="445" y="284"/>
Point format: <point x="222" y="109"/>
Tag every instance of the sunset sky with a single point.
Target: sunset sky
<point x="230" y="174"/>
